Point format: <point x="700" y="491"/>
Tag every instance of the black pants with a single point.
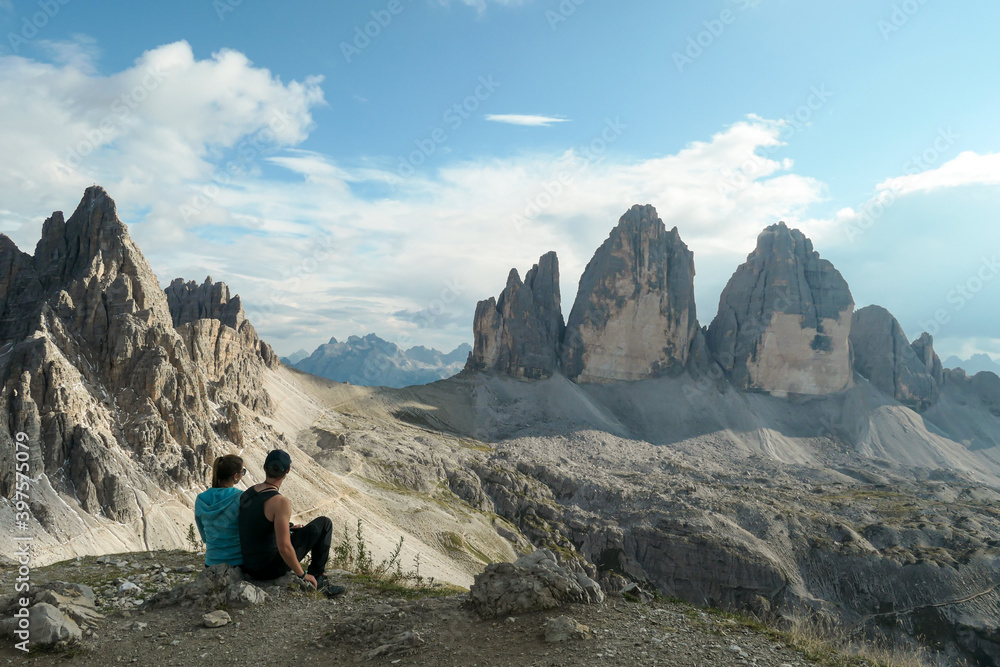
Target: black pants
<point x="314" y="538"/>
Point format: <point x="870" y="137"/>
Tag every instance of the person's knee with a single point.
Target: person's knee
<point x="325" y="523"/>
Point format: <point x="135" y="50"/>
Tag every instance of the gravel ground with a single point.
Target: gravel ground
<point x="372" y="626"/>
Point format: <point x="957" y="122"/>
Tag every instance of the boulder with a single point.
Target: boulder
<point x="217" y="585"/>
<point x="215" y="619"/>
<point x="884" y="356"/>
<point x="784" y="320"/>
<point x="533" y="582"/>
<point x="518" y="334"/>
<point x="634" y="316"/>
<point x="564" y="628"/>
<point x="51" y="627"/>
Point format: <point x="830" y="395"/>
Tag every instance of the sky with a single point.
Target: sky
<point x="380" y="165"/>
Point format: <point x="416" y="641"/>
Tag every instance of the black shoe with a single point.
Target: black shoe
<point x="330" y="590"/>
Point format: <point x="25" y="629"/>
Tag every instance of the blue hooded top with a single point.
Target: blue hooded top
<point x="217" y="512"/>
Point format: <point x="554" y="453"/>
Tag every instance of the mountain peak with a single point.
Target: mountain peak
<point x="634" y="315"/>
<point x="784" y="319"/>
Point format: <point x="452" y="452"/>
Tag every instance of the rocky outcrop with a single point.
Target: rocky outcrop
<point x="924" y="347"/>
<point x="221" y="340"/>
<point x="885" y="358"/>
<point x="784" y="319"/>
<point x="634" y="316"/>
<point x="190" y="301"/>
<point x="534" y="582"/>
<point x="519" y="333"/>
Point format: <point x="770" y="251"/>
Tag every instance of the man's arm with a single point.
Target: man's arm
<point x="282" y="514"/>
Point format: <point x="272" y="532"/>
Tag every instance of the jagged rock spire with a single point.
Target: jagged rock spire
<point x="634" y="315"/>
<point x="518" y="334"/>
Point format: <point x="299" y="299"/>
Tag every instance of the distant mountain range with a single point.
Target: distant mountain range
<point x="973" y="365"/>
<point x="373" y="362"/>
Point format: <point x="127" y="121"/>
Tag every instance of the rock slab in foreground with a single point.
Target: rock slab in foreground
<point x="533" y="582"/>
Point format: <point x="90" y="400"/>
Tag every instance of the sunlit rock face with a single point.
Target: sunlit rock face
<point x="784" y="319"/>
<point x="634" y="316"/>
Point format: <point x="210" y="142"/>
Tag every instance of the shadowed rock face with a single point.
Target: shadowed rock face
<point x="634" y="316"/>
<point x="924" y="347"/>
<point x="519" y="333"/>
<point x="884" y="356"/>
<point x="784" y="319"/>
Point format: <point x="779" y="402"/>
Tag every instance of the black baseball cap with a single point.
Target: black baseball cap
<point x="279" y="460"/>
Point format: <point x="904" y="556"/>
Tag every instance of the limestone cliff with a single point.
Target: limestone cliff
<point x="634" y="315"/>
<point x="519" y="333"/>
<point x="222" y="342"/>
<point x="784" y="319"/>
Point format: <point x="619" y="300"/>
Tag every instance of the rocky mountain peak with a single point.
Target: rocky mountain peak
<point x="518" y="333"/>
<point x="634" y="315"/>
<point x="190" y="301"/>
<point x="784" y="319"/>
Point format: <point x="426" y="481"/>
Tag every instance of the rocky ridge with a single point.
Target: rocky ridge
<point x="88" y="338"/>
<point x="370" y="361"/>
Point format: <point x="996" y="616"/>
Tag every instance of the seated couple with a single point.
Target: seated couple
<point x="251" y="529"/>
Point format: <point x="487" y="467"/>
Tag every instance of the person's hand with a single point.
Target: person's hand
<point x="297" y="526"/>
<point x="312" y="580"/>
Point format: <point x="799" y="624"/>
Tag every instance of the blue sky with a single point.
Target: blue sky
<point x="344" y="183"/>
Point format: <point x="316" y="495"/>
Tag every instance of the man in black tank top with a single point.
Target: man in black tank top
<point x="271" y="545"/>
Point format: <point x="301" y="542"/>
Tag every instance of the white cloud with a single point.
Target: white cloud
<point x="80" y="52"/>
<point x="525" y="119"/>
<point x="968" y="168"/>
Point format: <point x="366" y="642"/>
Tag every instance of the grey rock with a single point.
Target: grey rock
<point x="564" y="628"/>
<point x="634" y="316"/>
<point x="215" y="619"/>
<point x="217" y="585"/>
<point x="50" y="627"/>
<point x="883" y="355"/>
<point x="924" y="347"/>
<point x="244" y="594"/>
<point x="222" y="342"/>
<point x="533" y="582"/>
<point x="401" y="642"/>
<point x="784" y="319"/>
<point x="518" y="334"/>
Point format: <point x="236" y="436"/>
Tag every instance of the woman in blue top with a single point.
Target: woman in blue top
<point x="217" y="512"/>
